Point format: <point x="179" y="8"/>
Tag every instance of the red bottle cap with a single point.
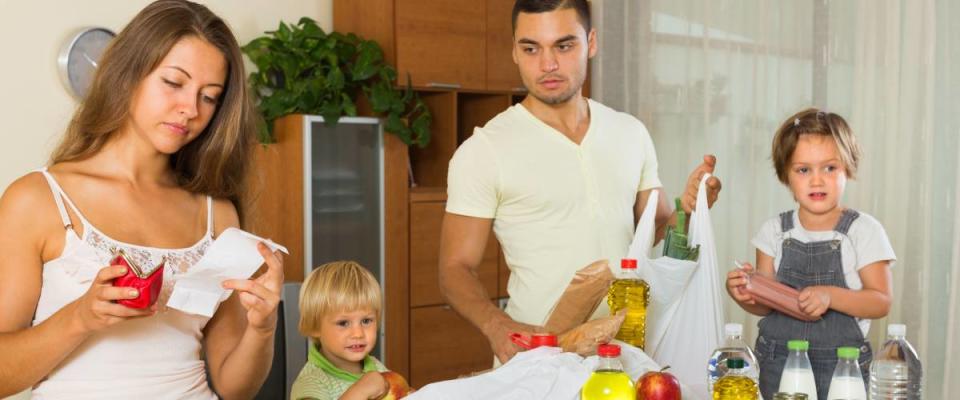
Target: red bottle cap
<point x="608" y="350"/>
<point x="535" y="340"/>
<point x="628" y="263"/>
<point x="543" y="339"/>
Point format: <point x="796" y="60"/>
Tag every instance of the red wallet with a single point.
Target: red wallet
<point x="148" y="284"/>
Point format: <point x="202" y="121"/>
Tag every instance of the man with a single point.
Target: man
<point x="562" y="180"/>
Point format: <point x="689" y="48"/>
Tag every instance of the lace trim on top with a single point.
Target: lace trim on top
<point x="178" y="261"/>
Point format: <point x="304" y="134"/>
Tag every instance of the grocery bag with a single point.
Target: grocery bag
<point x="685" y="315"/>
<point x="541" y="373"/>
<point x="544" y="373"/>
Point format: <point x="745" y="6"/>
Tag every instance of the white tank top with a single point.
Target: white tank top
<point x="157" y="357"/>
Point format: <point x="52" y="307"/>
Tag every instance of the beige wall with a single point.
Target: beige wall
<point x="35" y="107"/>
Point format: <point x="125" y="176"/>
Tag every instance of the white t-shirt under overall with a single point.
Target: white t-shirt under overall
<point x="557" y="206"/>
<point x="865" y="243"/>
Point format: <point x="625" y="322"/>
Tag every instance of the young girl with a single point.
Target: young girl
<point x="837" y="257"/>
<point x="153" y="163"/>
<point x="340" y="305"/>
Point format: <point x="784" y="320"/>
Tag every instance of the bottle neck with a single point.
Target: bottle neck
<point x="853" y="361"/>
<point x="896" y="337"/>
<point x="609" y="364"/>
<point x="734" y="372"/>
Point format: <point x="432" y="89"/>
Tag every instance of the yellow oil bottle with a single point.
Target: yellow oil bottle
<point x="608" y="381"/>
<point x="735" y="385"/>
<point x="632" y="293"/>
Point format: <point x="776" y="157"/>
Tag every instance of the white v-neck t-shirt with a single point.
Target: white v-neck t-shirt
<point x="556" y="206"/>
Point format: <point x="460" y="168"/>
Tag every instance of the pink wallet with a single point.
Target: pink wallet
<point x="773" y="294"/>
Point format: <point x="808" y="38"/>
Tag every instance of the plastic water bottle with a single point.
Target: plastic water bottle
<point x="632" y="293"/>
<point x="847" y="382"/>
<point x="608" y="381"/>
<point x="797" y="374"/>
<point x="732" y="347"/>
<point x="895" y="372"/>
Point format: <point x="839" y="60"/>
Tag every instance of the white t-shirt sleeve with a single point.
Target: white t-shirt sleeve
<point x="650" y="177"/>
<point x="870" y="241"/>
<point x="472" y="179"/>
<point x="768" y="238"/>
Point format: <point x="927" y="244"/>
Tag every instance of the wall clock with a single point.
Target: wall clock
<point x="79" y="58"/>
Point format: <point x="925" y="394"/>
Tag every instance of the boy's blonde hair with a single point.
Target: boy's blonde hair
<point x="816" y="122"/>
<point x="336" y="286"/>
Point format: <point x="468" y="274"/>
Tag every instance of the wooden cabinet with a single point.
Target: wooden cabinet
<point x="462" y="44"/>
<point x="426" y="217"/>
<point x="438" y="41"/>
<point x="502" y="72"/>
<point x="446" y="346"/>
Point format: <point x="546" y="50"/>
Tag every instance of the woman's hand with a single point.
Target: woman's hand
<point x="97" y="308"/>
<point x="814" y="300"/>
<point x="260" y="296"/>
<point x="736" y="285"/>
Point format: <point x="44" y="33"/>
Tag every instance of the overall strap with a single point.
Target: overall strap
<point x="846" y="220"/>
<point x="786" y="221"/>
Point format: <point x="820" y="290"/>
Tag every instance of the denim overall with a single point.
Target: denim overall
<point x="802" y="265"/>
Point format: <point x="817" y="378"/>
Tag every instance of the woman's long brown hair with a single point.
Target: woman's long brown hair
<point x="216" y="163"/>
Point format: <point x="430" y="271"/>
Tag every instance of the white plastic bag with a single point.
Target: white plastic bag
<point x="541" y="373"/>
<point x="685" y="316"/>
<point x="544" y="373"/>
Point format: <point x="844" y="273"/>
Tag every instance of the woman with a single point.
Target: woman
<point x="153" y="163"/>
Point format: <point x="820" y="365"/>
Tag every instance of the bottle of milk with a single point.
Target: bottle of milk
<point x="847" y="382"/>
<point x="797" y="374"/>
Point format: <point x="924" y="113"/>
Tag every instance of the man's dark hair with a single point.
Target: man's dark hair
<point x="540" y="6"/>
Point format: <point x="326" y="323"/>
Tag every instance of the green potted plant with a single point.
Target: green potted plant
<point x="302" y="69"/>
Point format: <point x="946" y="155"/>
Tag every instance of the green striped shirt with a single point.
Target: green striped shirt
<point x="320" y="379"/>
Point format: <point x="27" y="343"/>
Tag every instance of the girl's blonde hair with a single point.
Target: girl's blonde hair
<point x="816" y="122"/>
<point x="216" y="162"/>
<point x="336" y="286"/>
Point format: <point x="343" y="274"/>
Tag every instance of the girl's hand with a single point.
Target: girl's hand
<point x="736" y="285"/>
<point x="260" y="296"/>
<point x="97" y="308"/>
<point x="814" y="300"/>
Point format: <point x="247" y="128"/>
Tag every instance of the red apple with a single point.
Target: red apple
<point x="399" y="388"/>
<point x="658" y="385"/>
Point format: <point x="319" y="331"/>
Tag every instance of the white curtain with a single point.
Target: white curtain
<point x="718" y="76"/>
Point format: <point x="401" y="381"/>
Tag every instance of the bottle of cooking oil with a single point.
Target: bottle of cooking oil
<point x="608" y="381"/>
<point x="632" y="293"/>
<point x="735" y="385"/>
